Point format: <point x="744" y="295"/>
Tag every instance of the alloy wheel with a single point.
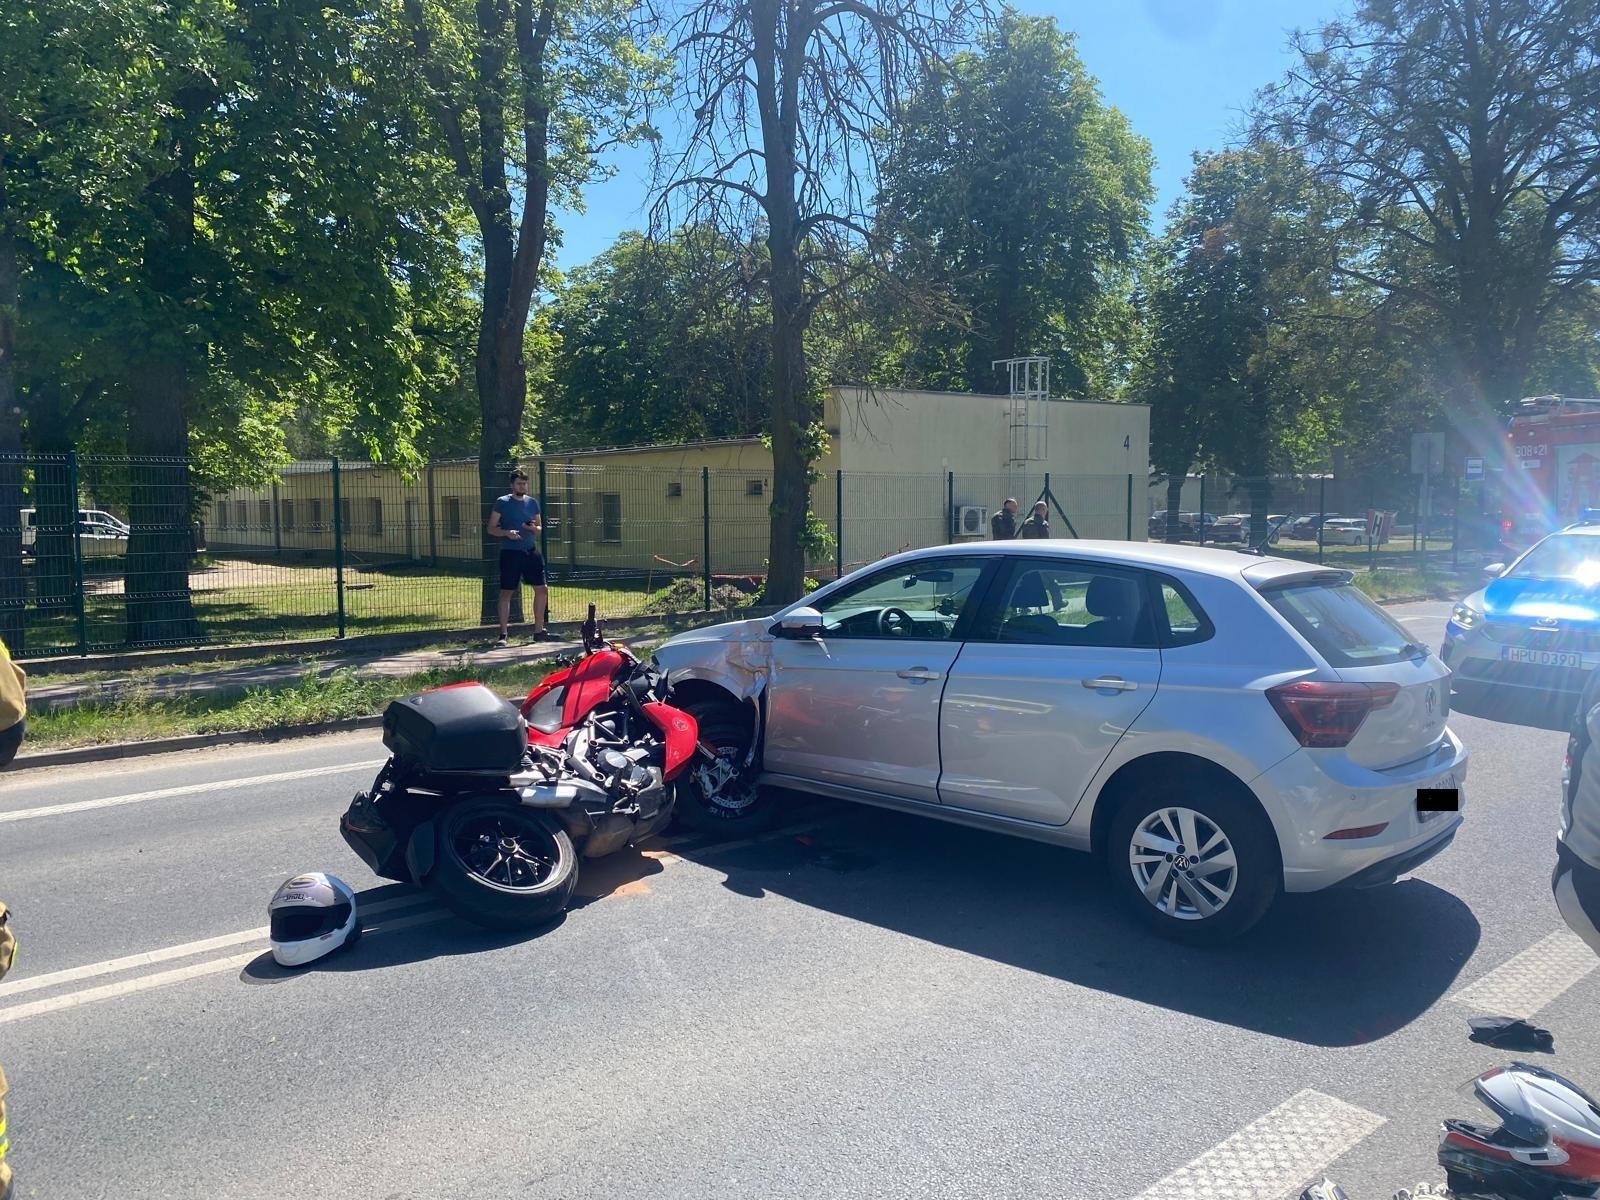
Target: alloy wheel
<point x="1183" y="863"/>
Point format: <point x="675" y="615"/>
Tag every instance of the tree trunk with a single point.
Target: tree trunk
<point x="1175" y="482"/>
<point x="13" y="584"/>
<point x="160" y="387"/>
<point x="502" y="393"/>
<point x="156" y="571"/>
<point x="791" y="413"/>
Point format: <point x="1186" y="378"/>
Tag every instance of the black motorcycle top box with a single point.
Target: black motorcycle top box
<point x="463" y="728"/>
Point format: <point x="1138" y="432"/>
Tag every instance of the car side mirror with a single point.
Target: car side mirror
<point x="800" y="624"/>
<point x="1493" y="571"/>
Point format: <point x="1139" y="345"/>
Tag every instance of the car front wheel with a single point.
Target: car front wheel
<point x="719" y="794"/>
<point x="1196" y="868"/>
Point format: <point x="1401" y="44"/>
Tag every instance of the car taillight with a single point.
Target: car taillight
<point x="1328" y="714"/>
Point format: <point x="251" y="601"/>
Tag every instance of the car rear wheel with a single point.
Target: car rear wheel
<point x="1196" y="868"/>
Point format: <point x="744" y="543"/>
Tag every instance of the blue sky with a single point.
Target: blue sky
<point x="1182" y="70"/>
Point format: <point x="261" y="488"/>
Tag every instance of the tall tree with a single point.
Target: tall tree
<point x="1464" y="131"/>
<point x="660" y="341"/>
<point x="524" y="95"/>
<point x="792" y="108"/>
<point x="1017" y="192"/>
<point x="1239" y="275"/>
<point x="273" y="239"/>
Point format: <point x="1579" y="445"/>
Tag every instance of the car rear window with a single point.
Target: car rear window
<point x="1341" y="623"/>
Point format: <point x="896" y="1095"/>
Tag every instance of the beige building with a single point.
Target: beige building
<point x="908" y="466"/>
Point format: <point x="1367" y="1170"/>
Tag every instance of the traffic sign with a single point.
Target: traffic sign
<point x="1427" y="454"/>
<point x="1472" y="469"/>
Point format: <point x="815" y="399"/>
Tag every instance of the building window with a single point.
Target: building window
<point x="755" y="487"/>
<point x="610" y="517"/>
<point x="221" y="514"/>
<point x="241" y="514"/>
<point x="452" y="516"/>
<point x="266" y="515"/>
<point x="344" y="515"/>
<point x="286" y="513"/>
<point x="674" y="490"/>
<point x="316" y="514"/>
<point x="375" y="516"/>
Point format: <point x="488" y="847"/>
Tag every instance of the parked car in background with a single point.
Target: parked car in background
<point x="1218" y="728"/>
<point x="1305" y="528"/>
<point x="99" y="532"/>
<point x="1241" y="522"/>
<point x="1343" y="531"/>
<point x="1188" y="530"/>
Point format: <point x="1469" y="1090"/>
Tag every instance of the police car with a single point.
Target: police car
<point x="1533" y="633"/>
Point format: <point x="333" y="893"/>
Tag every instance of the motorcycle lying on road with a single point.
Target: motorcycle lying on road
<point x="492" y="808"/>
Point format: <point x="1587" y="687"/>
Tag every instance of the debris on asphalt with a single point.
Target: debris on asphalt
<point x="1510" y="1033"/>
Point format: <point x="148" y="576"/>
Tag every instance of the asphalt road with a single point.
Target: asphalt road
<point x="875" y="1006"/>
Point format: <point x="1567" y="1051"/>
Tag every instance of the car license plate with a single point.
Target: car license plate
<point x="1541" y="658"/>
<point x="1443" y="797"/>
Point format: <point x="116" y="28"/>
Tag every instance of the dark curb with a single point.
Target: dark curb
<point x="191" y="741"/>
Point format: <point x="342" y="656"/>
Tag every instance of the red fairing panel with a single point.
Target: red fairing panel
<point x="680" y="731"/>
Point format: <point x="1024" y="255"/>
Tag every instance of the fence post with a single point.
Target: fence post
<point x="80" y="602"/>
<point x="705" y="533"/>
<point x="1200" y="521"/>
<point x="838" y="524"/>
<point x="544" y="518"/>
<point x="338" y="543"/>
<point x="433" y="520"/>
<point x="949" y="507"/>
<point x="1130" y="506"/>
<point x="277" y="524"/>
<point x="1322" y="512"/>
<point x="1455" y="526"/>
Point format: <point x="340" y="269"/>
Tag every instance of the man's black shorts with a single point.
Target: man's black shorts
<point x="520" y="566"/>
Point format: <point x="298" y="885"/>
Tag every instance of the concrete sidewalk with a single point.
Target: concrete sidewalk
<point x="229" y="681"/>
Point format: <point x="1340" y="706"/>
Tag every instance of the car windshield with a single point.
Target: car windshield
<point x="1562" y="556"/>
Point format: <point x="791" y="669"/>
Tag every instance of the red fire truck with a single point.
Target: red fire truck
<point x="1551" y="469"/>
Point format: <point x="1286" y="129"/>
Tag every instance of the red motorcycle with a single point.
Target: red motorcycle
<point x="492" y="808"/>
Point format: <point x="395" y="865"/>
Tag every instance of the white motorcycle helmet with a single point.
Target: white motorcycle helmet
<point x="1547" y="1143"/>
<point x="311" y="916"/>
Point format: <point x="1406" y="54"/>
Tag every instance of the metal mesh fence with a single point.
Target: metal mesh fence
<point x="98" y="554"/>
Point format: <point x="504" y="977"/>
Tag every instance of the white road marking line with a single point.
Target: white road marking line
<point x="1274" y="1154"/>
<point x="143" y="983"/>
<point x="1521" y="986"/>
<point x="185" y="950"/>
<point x="188" y="789"/>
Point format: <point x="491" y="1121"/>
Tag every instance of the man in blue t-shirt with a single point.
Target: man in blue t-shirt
<point x="515" y="519"/>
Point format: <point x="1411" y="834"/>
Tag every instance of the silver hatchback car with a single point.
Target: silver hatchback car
<point x="1219" y="727"/>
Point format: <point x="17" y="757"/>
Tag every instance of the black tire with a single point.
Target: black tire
<point x="739" y="808"/>
<point x="1256" y="878"/>
<point x="527" y="886"/>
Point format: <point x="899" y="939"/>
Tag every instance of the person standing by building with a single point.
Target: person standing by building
<point x="1038" y="523"/>
<point x="516" y="520"/>
<point x="1003" y="524"/>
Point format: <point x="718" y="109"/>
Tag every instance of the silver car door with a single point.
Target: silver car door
<point x="1064" y="664"/>
<point x="859" y="705"/>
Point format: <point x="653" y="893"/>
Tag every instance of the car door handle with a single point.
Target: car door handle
<point x="917" y="673"/>
<point x="1109" y="683"/>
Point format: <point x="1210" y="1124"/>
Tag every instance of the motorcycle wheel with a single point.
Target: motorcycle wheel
<point x="710" y="799"/>
<point x="501" y="865"/>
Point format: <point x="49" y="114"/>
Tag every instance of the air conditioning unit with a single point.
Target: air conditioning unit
<point x="972" y="520"/>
